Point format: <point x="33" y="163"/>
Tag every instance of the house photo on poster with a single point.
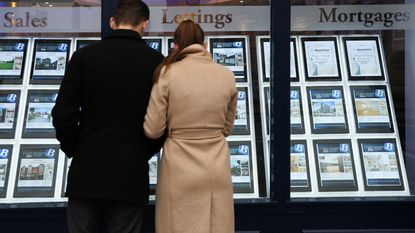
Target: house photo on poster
<point x="12" y="60"/>
<point x="296" y="111"/>
<point x="241" y="125"/>
<point x="241" y="166"/>
<point x="300" y="174"/>
<point x="36" y="171"/>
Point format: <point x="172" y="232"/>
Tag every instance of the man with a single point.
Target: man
<point x="98" y="119"/>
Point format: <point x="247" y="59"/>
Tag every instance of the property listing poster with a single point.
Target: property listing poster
<point x="153" y="164"/>
<point x="266" y="59"/>
<point x="296" y="111"/>
<point x="36" y="171"/>
<point x="241" y="168"/>
<point x="380" y="161"/>
<point x="327" y="110"/>
<point x="371" y="109"/>
<point x="49" y="61"/>
<point x="38" y="117"/>
<point x="12" y="60"/>
<point x="335" y="165"/>
<point x="241" y="124"/>
<point x="321" y="59"/>
<point x="6" y="152"/>
<point x="300" y="180"/>
<point x="9" y="106"/>
<point x="363" y="58"/>
<point x="293" y="61"/>
<point x="66" y="167"/>
<point x="267" y="101"/>
<point x="230" y="52"/>
<point x="84" y="43"/>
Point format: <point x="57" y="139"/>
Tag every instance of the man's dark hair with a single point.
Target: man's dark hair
<point x="131" y="12"/>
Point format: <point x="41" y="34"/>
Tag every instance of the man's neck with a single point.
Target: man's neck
<point x="128" y="27"/>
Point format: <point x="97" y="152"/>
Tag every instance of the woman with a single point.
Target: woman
<point x="195" y="100"/>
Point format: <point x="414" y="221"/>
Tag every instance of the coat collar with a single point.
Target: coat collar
<point x="197" y="51"/>
<point x="124" y="33"/>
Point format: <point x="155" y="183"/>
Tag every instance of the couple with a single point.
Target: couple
<point x="119" y="103"/>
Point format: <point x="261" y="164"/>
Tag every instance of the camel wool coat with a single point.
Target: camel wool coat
<point x="195" y="100"/>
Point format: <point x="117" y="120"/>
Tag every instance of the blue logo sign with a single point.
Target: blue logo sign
<point x="389" y="147"/>
<point x="4" y="153"/>
<point x="11" y="98"/>
<point x="154" y="45"/>
<point x="299" y="148"/>
<point x="19" y="47"/>
<point x="54" y="97"/>
<point x="241" y="95"/>
<point x="50" y="153"/>
<point x="380" y="93"/>
<point x="294" y="94"/>
<point x="62" y="47"/>
<point x="336" y="94"/>
<point x="344" y="148"/>
<point x="243" y="149"/>
<point x="237" y="44"/>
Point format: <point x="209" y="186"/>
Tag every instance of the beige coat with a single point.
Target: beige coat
<point x="196" y="101"/>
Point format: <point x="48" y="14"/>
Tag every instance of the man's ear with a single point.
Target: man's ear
<point x="113" y="25"/>
<point x="145" y="25"/>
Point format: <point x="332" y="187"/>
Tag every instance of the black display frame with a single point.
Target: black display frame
<point x="296" y="130"/>
<point x="243" y="41"/>
<point x="9" y="148"/>
<point x="48" y="79"/>
<point x="157" y="40"/>
<point x="85" y="42"/>
<point x="372" y="130"/>
<point x="297" y="72"/>
<point x="13" y="79"/>
<point x="237" y="130"/>
<point x="306" y="154"/>
<point x="40" y="133"/>
<point x="10" y="133"/>
<point x="365" y="38"/>
<point x="360" y="143"/>
<point x="329" y="130"/>
<point x="43" y="191"/>
<point x="242" y="188"/>
<point x="263" y="67"/>
<point x="335" y="188"/>
<point x="336" y="50"/>
<point x="66" y="163"/>
<point x="267" y="99"/>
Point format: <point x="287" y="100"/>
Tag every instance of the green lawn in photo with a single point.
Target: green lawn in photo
<point x="8" y="65"/>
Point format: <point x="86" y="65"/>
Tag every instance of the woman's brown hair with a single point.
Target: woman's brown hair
<point x="186" y="34"/>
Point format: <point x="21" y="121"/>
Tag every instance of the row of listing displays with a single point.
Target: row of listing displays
<point x="37" y="166"/>
<point x="325" y="57"/>
<point x="49" y="57"/>
<point x="328" y="111"/>
<point x="38" y="113"/>
<point x="336" y="166"/>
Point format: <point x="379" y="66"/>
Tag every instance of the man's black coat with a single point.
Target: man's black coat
<point x="99" y="117"/>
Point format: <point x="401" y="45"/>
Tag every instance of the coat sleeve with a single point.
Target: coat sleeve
<point x="66" y="112"/>
<point x="230" y="116"/>
<point x="155" y="121"/>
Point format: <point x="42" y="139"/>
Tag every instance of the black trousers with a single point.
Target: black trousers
<point x="96" y="216"/>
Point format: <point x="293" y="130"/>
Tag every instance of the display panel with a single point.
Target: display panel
<point x="6" y="152"/>
<point x="9" y="107"/>
<point x="380" y="164"/>
<point x="371" y="109"/>
<point x="300" y="174"/>
<point x="335" y="165"/>
<point x="241" y="125"/>
<point x="294" y="77"/>
<point x="265" y="58"/>
<point x="12" y="60"/>
<point x="155" y="43"/>
<point x="241" y="166"/>
<point x="36" y="171"/>
<point x="170" y="45"/>
<point x="230" y="52"/>
<point x="327" y="110"/>
<point x="38" y="116"/>
<point x="50" y="58"/>
<point x="296" y="111"/>
<point x="363" y="58"/>
<point x="267" y="98"/>
<point x="153" y="164"/>
<point x="84" y="43"/>
<point x="321" y="59"/>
